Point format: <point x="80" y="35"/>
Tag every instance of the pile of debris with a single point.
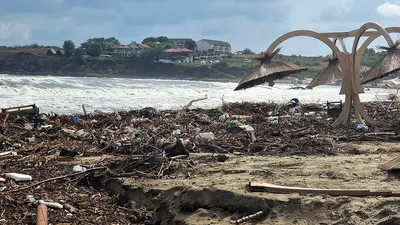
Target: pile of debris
<point x="146" y="144"/>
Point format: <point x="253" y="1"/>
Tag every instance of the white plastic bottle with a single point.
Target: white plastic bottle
<point x="19" y="176"/>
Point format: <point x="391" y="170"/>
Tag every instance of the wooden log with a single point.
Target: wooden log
<point x="41" y="215"/>
<point x="255" y="186"/>
<point x="84" y="109"/>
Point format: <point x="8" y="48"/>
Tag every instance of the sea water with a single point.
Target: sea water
<point x="67" y="94"/>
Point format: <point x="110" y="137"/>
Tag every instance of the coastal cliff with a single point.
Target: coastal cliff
<point x="111" y="67"/>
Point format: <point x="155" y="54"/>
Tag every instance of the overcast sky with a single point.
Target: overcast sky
<point x="250" y="24"/>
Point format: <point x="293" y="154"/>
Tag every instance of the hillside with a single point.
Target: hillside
<point x="231" y="68"/>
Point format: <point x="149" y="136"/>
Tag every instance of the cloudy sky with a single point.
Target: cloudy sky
<point x="250" y="24"/>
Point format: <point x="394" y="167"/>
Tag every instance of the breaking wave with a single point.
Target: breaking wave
<point x="67" y="94"/>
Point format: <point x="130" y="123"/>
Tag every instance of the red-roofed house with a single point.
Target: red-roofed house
<point x="129" y="50"/>
<point x="123" y="50"/>
<point x="177" y="55"/>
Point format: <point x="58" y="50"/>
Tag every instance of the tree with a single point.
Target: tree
<point x="106" y="44"/>
<point x="94" y="49"/>
<point x="149" y="40"/>
<point x="247" y="51"/>
<point x="69" y="47"/>
<point x="162" y="39"/>
<point x="161" y="45"/>
<point x="190" y="44"/>
<point x="112" y="41"/>
<point x="149" y="55"/>
<point x="79" y="52"/>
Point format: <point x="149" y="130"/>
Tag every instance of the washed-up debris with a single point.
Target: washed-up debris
<point x="157" y="145"/>
<point x="19" y="176"/>
<point x="249" y="217"/>
<point x="79" y="168"/>
<point x="53" y="205"/>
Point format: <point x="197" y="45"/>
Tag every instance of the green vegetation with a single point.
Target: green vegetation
<point x="190" y="44"/>
<point x="247" y="51"/>
<point x="35" y="45"/>
<point x="370" y="57"/>
<point x="69" y="48"/>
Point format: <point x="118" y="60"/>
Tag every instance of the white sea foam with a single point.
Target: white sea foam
<point x="67" y="94"/>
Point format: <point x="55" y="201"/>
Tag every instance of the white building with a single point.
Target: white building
<point x="218" y="47"/>
<point x="180" y="42"/>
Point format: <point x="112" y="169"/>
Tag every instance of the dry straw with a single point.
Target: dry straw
<point x="268" y="71"/>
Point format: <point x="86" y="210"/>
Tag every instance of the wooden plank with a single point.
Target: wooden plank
<point x="18" y="107"/>
<point x="393" y="164"/>
<point x="255" y="186"/>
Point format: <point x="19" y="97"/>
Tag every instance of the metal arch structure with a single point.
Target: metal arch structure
<point x="349" y="62"/>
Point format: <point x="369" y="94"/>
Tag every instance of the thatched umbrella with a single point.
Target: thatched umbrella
<point x="331" y="73"/>
<point x="268" y="71"/>
<point x="389" y="64"/>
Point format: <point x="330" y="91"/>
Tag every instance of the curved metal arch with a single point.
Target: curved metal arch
<point x="342" y="43"/>
<point x="365" y="27"/>
<point x="357" y="55"/>
<point x="304" y="33"/>
<point x="372" y="38"/>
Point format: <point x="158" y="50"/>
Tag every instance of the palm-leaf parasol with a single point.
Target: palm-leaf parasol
<point x="268" y="71"/>
<point x="331" y="73"/>
<point x="389" y="64"/>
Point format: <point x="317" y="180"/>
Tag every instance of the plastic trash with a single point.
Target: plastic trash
<point x="362" y="127"/>
<point x="27" y="126"/>
<point x="224" y="117"/>
<point x="206" y="135"/>
<point x="46" y="126"/>
<point x="53" y="205"/>
<point x="76" y="119"/>
<point x="205" y="117"/>
<point x="79" y="168"/>
<point x="58" y="122"/>
<point x="141" y="136"/>
<point x="17" y="145"/>
<point x="44" y="117"/>
<point x="32" y="139"/>
<point x="231" y="122"/>
<point x="197" y="130"/>
<point x="2" y="180"/>
<point x="271" y="118"/>
<point x="31" y="199"/>
<point x="176" y="132"/>
<point x="19" y="176"/>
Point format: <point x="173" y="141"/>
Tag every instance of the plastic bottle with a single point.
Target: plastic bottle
<point x="224" y="117"/>
<point x="362" y="127"/>
<point x="19" y="176"/>
<point x="54" y="205"/>
<point x="78" y="168"/>
<point x="206" y="135"/>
